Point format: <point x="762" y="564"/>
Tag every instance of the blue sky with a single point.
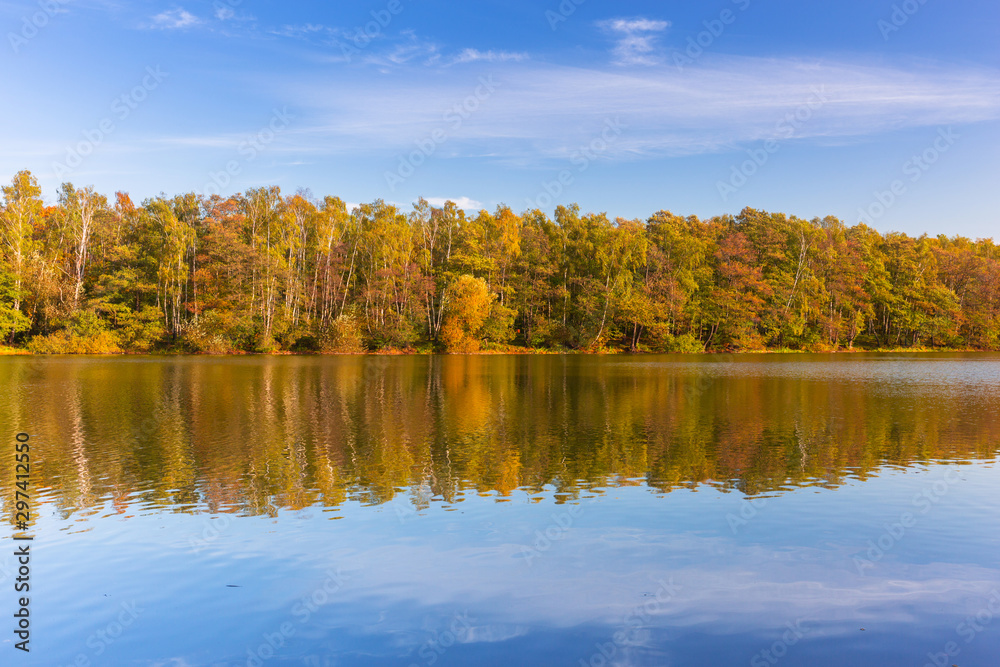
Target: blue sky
<point x="631" y="107"/>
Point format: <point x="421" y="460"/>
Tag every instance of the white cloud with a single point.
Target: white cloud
<point x="636" y="40"/>
<point x="462" y="202"/>
<point x="224" y="13"/>
<point x="635" y="25"/>
<point x="299" y="31"/>
<point x="474" y="55"/>
<point x="404" y="53"/>
<point x="175" y="18"/>
<point x="545" y="111"/>
<point x="541" y="114"/>
<point x="388" y="51"/>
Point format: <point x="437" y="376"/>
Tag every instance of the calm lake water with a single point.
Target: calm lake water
<point x="507" y="510"/>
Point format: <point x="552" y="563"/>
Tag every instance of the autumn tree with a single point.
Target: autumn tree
<point x="262" y="271"/>
<point x="468" y="303"/>
<point x="19" y="213"/>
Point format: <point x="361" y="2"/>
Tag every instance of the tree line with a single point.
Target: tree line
<point x="262" y="272"/>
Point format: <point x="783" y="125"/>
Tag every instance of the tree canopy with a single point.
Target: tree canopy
<point x="263" y="271"/>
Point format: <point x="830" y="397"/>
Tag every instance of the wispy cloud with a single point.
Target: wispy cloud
<point x="175" y="18"/>
<point x="388" y="50"/>
<point x="636" y="37"/>
<point x="304" y="31"/>
<point x="475" y="55"/>
<point x="382" y="50"/>
<point x="542" y="111"/>
<point x="413" y="49"/>
<point x="462" y="202"/>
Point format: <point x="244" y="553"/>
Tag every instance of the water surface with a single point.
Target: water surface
<point x="547" y="510"/>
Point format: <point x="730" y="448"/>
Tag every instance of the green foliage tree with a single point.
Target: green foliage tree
<point x="19" y="214"/>
<point x="262" y="271"/>
<point x="12" y="320"/>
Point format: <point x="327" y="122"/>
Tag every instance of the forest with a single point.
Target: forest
<point x="266" y="272"/>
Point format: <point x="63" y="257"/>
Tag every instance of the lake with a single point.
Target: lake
<point x="506" y="510"/>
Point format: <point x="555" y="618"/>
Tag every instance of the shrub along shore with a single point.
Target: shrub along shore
<point x="263" y="272"/>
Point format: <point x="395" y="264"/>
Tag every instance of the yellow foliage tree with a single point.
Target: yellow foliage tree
<point x="468" y="303"/>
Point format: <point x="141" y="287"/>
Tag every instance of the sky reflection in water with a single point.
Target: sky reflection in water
<point x="511" y="510"/>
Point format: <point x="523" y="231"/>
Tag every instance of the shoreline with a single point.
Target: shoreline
<point x="392" y="352"/>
